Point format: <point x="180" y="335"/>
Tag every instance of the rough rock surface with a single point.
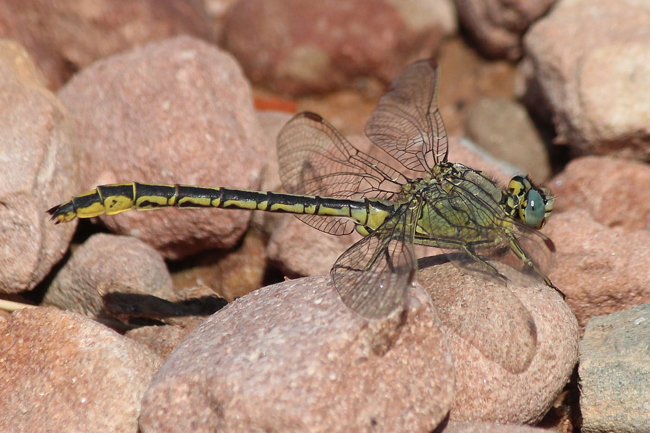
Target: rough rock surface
<point x="291" y="357"/>
<point x="497" y="26"/>
<point x="37" y="162"/>
<point x="306" y="46"/>
<point x="481" y="427"/>
<point x="105" y="264"/>
<point x="504" y="129"/>
<point x="614" y="371"/>
<point x="61" y="372"/>
<point x="591" y="62"/>
<point x="64" y="37"/>
<point x="178" y="111"/>
<point x="600" y="269"/>
<point x="613" y="191"/>
<point x="514" y="347"/>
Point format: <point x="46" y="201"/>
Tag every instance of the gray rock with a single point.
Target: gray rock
<point x="177" y="111"/>
<point x="614" y="371"/>
<point x="292" y="358"/>
<point x="38" y="156"/>
<point x="105" y="264"/>
<point x="62" y="372"/>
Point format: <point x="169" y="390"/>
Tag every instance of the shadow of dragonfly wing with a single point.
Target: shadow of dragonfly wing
<point x="316" y="160"/>
<point x="486" y="314"/>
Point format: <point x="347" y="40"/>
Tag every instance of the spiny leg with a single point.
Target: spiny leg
<point x="521" y="254"/>
<point x="454" y="244"/>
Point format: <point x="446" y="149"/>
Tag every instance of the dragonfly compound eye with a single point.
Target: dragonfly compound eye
<point x="535" y="210"/>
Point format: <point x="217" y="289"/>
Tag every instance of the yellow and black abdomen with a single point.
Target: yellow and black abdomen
<point x="112" y="199"/>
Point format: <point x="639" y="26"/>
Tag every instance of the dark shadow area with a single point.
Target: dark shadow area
<point x="566" y="408"/>
<point x="145" y="310"/>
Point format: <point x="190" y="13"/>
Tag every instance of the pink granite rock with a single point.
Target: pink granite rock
<point x="497" y="26"/>
<point x="299" y="46"/>
<point x="613" y="191"/>
<point x="504" y="129"/>
<point x="37" y="166"/>
<point x="601" y="269"/>
<point x="591" y="61"/>
<point x="482" y="427"/>
<point x="514" y="347"/>
<point x="177" y="111"/>
<point x="293" y="358"/>
<point x="105" y="264"/>
<point x="64" y="37"/>
<point x="62" y="372"/>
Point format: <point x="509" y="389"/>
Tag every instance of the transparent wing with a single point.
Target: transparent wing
<point x="407" y="123"/>
<point x="373" y="276"/>
<point x="478" y="236"/>
<point x="315" y="159"/>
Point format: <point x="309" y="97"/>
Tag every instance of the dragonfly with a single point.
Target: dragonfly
<point x="336" y="188"/>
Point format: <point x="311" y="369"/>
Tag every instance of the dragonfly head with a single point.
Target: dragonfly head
<point x="532" y="204"/>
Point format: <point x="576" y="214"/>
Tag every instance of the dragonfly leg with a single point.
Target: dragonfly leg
<point x="521" y="254"/>
<point x="485" y="266"/>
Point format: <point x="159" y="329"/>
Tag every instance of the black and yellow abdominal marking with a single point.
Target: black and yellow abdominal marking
<point x="113" y="199"/>
<point x="336" y="188"/>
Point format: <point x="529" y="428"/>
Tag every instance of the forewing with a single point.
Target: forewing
<point x="315" y="159"/>
<point x="374" y="275"/>
<point x="407" y="123"/>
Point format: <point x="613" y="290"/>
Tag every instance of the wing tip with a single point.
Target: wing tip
<point x="312" y="116"/>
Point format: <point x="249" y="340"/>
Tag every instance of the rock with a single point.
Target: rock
<point x="482" y="427"/>
<point x="61" y="372"/>
<point x="301" y="250"/>
<point x="229" y="274"/>
<point x="161" y="339"/>
<point x="177" y="111"/>
<point x="271" y="122"/>
<point x="613" y="191"/>
<point x="292" y="357"/>
<point x="504" y="129"/>
<point x="601" y="270"/>
<point x="613" y="372"/>
<point x="298" y="46"/>
<point x="64" y="37"/>
<point x="592" y="64"/>
<point x="497" y="27"/>
<point x="37" y="162"/>
<point x="514" y="347"/>
<point x="106" y="264"/>
<point x="466" y="78"/>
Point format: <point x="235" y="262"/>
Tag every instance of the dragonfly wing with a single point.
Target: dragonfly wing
<point x="315" y="159"/>
<point x="407" y="123"/>
<point x="374" y="275"/>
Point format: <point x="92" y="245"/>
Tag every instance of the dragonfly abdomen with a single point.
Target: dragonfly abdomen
<point x="113" y="199"/>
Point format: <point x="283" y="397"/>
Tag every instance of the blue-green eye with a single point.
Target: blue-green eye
<point x="535" y="209"/>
